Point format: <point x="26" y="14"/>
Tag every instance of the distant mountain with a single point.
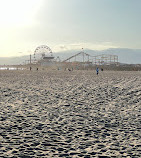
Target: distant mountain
<point x="129" y="56"/>
<point x="13" y="60"/>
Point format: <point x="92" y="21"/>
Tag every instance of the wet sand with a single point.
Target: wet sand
<point x="70" y="114"/>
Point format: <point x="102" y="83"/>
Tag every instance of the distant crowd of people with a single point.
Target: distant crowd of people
<point x="70" y="69"/>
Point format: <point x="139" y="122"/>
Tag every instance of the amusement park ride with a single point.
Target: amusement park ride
<point x="103" y="59"/>
<point x="42" y="53"/>
<point x="43" y="56"/>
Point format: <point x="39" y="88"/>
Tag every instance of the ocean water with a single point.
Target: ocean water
<point x="11" y="68"/>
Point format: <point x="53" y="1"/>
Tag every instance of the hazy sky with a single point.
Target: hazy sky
<point x="68" y="24"/>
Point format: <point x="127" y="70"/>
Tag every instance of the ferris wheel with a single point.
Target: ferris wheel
<point x="42" y="51"/>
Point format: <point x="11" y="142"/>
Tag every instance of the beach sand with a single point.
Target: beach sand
<point x="70" y="114"/>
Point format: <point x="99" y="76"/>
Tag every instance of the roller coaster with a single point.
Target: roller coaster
<point x="103" y="59"/>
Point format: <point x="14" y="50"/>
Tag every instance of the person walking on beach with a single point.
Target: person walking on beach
<point x="97" y="70"/>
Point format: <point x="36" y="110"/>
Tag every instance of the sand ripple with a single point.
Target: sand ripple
<point x="70" y="114"/>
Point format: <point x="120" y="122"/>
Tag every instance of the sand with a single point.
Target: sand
<point x="70" y="114"/>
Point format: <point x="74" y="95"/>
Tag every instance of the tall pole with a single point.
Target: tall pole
<point x="83" y="54"/>
<point x="83" y="59"/>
